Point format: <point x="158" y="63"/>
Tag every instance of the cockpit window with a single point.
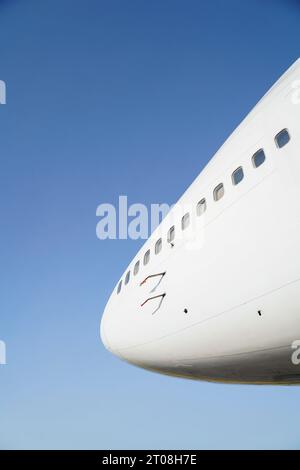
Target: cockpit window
<point x="158" y="246"/>
<point x="258" y="158"/>
<point x="185" y="221"/>
<point x="237" y="176"/>
<point x="119" y="287"/>
<point x="282" y="138"/>
<point x="201" y="207"/>
<point x="136" y="268"/>
<point x="147" y="257"/>
<point x="171" y="234"/>
<point x="127" y="278"/>
<point x="219" y="192"/>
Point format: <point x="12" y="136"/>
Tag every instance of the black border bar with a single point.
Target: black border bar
<point x="137" y="458"/>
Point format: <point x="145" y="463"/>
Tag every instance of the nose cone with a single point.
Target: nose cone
<point x="106" y="329"/>
<point x="118" y="332"/>
<point x="102" y="333"/>
<point x="133" y="334"/>
<point x="120" y="323"/>
<point x="112" y="331"/>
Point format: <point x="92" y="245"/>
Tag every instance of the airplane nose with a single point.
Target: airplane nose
<point x="110" y="331"/>
<point x="103" y="335"/>
<point x="126" y="343"/>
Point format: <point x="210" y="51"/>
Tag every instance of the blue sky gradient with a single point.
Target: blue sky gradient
<point x="106" y="98"/>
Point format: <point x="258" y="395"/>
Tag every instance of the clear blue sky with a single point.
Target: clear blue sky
<point x="106" y="98"/>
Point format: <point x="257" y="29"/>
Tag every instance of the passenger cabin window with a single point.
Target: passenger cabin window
<point x="136" y="268"/>
<point x="158" y="246"/>
<point x="185" y="221"/>
<point x="237" y="176"/>
<point x="201" y="207"/>
<point x="282" y="138"/>
<point x="146" y="257"/>
<point x="258" y="158"/>
<point x="219" y="192"/>
<point x="119" y="287"/>
<point x="127" y="278"/>
<point x="171" y="234"/>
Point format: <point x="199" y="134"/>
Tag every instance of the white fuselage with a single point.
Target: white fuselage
<point x="229" y="305"/>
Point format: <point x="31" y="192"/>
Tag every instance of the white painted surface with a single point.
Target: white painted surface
<point x="243" y="258"/>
